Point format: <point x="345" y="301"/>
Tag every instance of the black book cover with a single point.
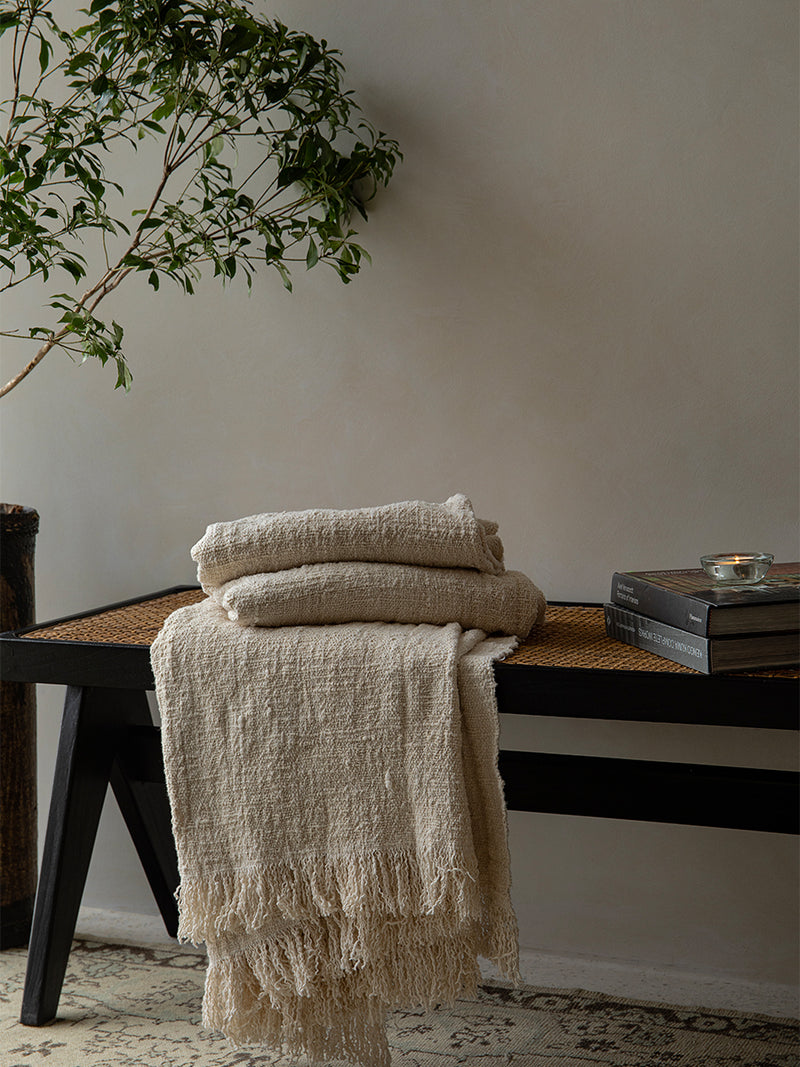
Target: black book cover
<point x="690" y="600"/>
<point x="709" y="655"/>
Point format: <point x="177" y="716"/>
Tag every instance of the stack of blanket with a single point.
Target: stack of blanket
<point x="330" y="742"/>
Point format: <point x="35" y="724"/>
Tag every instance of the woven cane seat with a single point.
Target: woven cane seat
<point x="126" y="624"/>
<point x="570" y="636"/>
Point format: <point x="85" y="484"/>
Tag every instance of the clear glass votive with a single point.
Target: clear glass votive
<point x="742" y="568"/>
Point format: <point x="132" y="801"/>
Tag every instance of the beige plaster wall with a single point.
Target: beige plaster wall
<point x="582" y="313"/>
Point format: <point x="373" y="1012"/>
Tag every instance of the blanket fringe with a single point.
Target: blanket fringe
<point x="500" y="941"/>
<point x="311" y="990"/>
<point x="392" y="884"/>
<point x="346" y="1026"/>
<point x="307" y="959"/>
<point x="289" y="991"/>
<point x="408" y="960"/>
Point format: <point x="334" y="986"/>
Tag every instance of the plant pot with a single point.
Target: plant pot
<point x="18" y="815"/>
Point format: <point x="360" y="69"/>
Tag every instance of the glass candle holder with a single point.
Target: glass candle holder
<point x="737" y="568"/>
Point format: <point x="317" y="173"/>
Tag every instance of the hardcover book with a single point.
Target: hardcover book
<point x="690" y="600"/>
<point x="711" y="655"/>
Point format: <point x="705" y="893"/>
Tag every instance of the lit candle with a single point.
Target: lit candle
<point x="745" y="568"/>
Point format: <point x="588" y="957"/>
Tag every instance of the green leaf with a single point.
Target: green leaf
<point x="105" y="18"/>
<point x="78" y="62"/>
<point x="8" y="20"/>
<point x="163" y="111"/>
<point x="75" y="269"/>
<point x="284" y="273"/>
<point x="288" y="175"/>
<point x="45" y="49"/>
<point x="124" y="376"/>
<point x="153" y="279"/>
<point x="312" y="255"/>
<point x="213" y="148"/>
<point x="238" y="39"/>
<point x="139" y="262"/>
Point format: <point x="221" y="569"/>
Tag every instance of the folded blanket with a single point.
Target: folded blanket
<point x="321" y="593"/>
<point x="339" y="822"/>
<point x="428" y="535"/>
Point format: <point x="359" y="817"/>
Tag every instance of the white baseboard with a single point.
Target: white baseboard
<point x="123" y="928"/>
<point x="618" y="977"/>
<point x="667" y="985"/>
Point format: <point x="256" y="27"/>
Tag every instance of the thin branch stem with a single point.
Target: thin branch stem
<point x="37" y="359"/>
<point x="17" y="59"/>
<point x="107" y="286"/>
<point x="24" y="278"/>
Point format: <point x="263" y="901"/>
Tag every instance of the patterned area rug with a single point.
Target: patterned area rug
<point x="126" y="1006"/>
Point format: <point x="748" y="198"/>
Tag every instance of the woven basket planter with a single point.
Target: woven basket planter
<point x="18" y="815"/>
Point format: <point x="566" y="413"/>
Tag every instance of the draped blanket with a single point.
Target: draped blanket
<point x="337" y="810"/>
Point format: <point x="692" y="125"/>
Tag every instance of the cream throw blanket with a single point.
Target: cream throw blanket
<point x="338" y="815"/>
<point x="426" y="535"/>
<point x="321" y="593"/>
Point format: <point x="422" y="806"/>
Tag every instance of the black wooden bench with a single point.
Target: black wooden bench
<point x="568" y="668"/>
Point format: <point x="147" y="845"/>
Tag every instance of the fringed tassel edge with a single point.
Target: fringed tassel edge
<point x="290" y="991"/>
<point x="500" y="941"/>
<point x="235" y="1005"/>
<point x="394" y="884"/>
<point x="308" y="959"/>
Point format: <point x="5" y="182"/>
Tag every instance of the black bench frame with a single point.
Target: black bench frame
<point x="108" y="737"/>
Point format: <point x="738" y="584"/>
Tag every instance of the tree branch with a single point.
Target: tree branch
<point x="196" y="91"/>
<point x="17" y="60"/>
<point x="37" y="359"/>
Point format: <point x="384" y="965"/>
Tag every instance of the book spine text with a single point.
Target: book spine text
<point x="667" y="606"/>
<point x="655" y="636"/>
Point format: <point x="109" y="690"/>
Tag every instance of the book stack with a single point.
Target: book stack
<point x="683" y="616"/>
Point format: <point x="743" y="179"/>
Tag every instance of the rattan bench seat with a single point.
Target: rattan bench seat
<point x="570" y="635"/>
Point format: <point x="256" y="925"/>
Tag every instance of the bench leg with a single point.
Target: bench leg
<point x="90" y="731"/>
<point x="137" y="779"/>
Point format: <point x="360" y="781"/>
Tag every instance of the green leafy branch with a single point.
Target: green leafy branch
<point x="264" y="157"/>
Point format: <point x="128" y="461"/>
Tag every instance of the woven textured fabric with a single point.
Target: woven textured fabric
<point x="330" y="743"/>
<point x="414" y="532"/>
<point x="322" y="593"/>
<point x="339" y="821"/>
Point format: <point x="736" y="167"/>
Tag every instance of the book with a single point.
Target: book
<point x="690" y="600"/>
<point x="711" y="655"/>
